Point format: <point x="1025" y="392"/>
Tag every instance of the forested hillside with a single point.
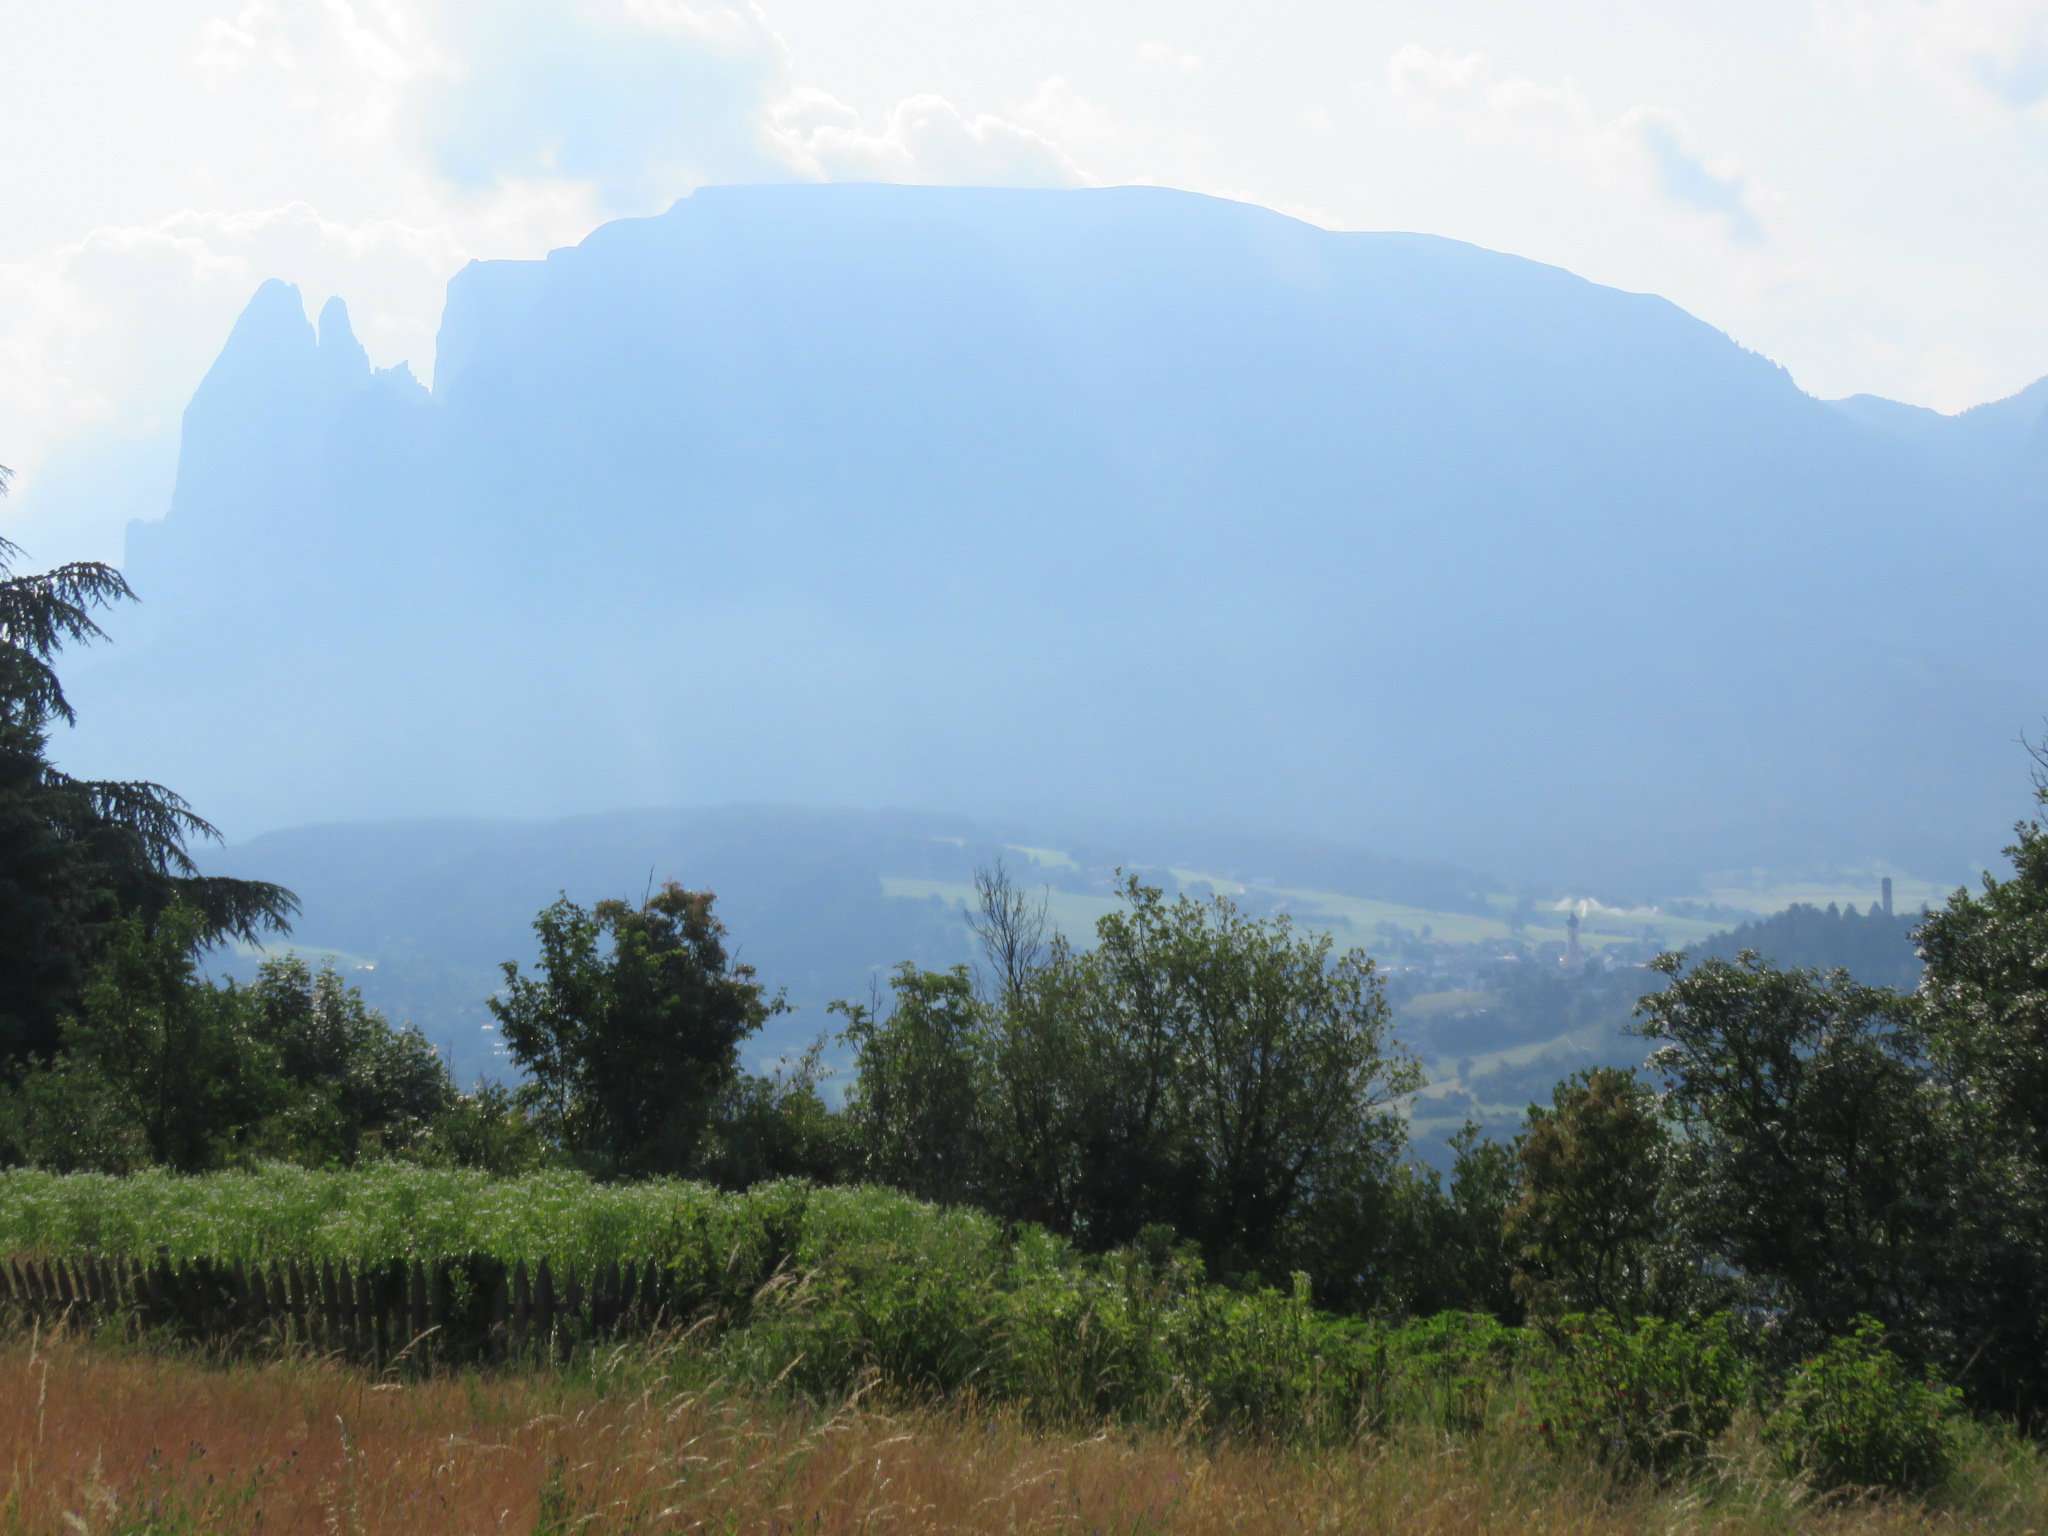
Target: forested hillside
<point x="1874" y="946"/>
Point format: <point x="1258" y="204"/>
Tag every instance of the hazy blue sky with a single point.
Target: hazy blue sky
<point x="1858" y="188"/>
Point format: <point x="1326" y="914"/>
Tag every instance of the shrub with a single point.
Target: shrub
<point x="822" y="1292"/>
<point x="875" y="1283"/>
<point x="1443" y="1370"/>
<point x="1648" y="1399"/>
<point x="1855" y="1416"/>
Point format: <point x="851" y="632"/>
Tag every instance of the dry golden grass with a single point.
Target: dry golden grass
<point x="100" y="1440"/>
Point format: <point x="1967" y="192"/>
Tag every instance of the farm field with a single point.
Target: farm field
<point x="1074" y="913"/>
<point x="1448" y="1076"/>
<point x="1762" y="894"/>
<point x="1352" y="920"/>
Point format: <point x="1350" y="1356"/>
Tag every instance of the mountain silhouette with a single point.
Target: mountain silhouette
<point x="1086" y="506"/>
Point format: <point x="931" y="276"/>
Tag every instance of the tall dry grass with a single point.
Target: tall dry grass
<point x="97" y="1440"/>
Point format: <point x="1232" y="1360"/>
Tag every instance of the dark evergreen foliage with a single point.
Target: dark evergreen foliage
<point x="1878" y="950"/>
<point x="76" y="855"/>
<point x="162" y="1067"/>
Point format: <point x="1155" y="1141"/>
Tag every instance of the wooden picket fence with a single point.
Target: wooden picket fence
<point x="452" y="1309"/>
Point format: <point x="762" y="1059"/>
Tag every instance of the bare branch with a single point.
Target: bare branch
<point x="1013" y="928"/>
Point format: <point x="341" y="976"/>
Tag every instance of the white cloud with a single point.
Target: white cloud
<point x="1994" y="52"/>
<point x="1418" y="72"/>
<point x="642" y="99"/>
<point x="1640" y="148"/>
<point x="1058" y="112"/>
<point x="227" y="47"/>
<point x="925" y="139"/>
<point x="1154" y="55"/>
<point x="739" y="28"/>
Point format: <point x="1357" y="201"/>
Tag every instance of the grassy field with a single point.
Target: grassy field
<point x="846" y="1360"/>
<point x="109" y="1441"/>
<point x="1072" y="912"/>
<point x="1440" y="1108"/>
<point x="1045" y="858"/>
<point x="1763" y="894"/>
<point x="1351" y="920"/>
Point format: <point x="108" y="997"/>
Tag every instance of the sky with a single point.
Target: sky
<point x="1856" y="188"/>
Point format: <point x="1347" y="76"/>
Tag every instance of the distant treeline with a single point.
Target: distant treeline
<point x="1875" y="948"/>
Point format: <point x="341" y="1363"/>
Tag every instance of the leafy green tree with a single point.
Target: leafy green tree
<point x="1222" y="1075"/>
<point x="1644" y="1397"/>
<point x="1813" y="1150"/>
<point x="77" y="855"/>
<point x="1253" y="1073"/>
<point x="1413" y="1243"/>
<point x="1984" y="1006"/>
<point x="1375" y="1245"/>
<point x="160" y="1049"/>
<point x="351" y="1083"/>
<point x="63" y="1115"/>
<point x="1039" y="1093"/>
<point x="548" y="1024"/>
<point x="1986" y="989"/>
<point x="1590" y="1229"/>
<point x="161" y="1066"/>
<point x="631" y="1031"/>
<point x="915" y="1109"/>
<point x="1486" y="1180"/>
<point x="777" y="1125"/>
<point x="486" y="1129"/>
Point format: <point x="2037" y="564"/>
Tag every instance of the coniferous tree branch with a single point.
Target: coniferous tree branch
<point x="241" y="909"/>
<point x="39" y="616"/>
<point x="159" y="817"/>
<point x="79" y="855"/>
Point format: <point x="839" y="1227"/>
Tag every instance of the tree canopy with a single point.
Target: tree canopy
<point x="1200" y="1068"/>
<point x="77" y="855"/>
<point x="630" y="1033"/>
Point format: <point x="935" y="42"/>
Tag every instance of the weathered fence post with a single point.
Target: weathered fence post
<point x="572" y="1309"/>
<point x="522" y="1306"/>
<point x="415" y="1299"/>
<point x="500" y="1322"/>
<point x="544" y="1306"/>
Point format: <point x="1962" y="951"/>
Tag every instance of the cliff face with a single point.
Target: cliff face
<point x="1099" y="505"/>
